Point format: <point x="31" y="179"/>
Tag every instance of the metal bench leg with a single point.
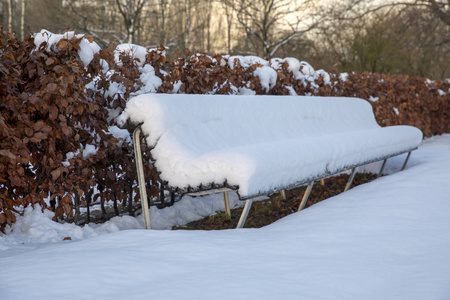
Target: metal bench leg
<point x="406" y="161"/>
<point x="244" y="214"/>
<point x="283" y="194"/>
<point x="350" y="179"/>
<point x="306" y="196"/>
<point x="140" y="174"/>
<point x="382" y="168"/>
<point x="227" y="204"/>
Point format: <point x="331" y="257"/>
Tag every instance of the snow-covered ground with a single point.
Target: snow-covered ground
<point x="388" y="239"/>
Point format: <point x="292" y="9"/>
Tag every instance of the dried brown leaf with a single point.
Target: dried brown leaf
<point x="53" y="112"/>
<point x="7" y="153"/>
<point x="49" y="61"/>
<point x="56" y="174"/>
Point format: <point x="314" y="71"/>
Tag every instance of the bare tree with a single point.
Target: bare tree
<point x="229" y="14"/>
<point x="10" y="15"/>
<point x="407" y="40"/>
<point x="109" y="20"/>
<point x="208" y="25"/>
<point x="34" y="15"/>
<point x="272" y="23"/>
<point x="441" y="9"/>
<point x="131" y="11"/>
<point x="161" y="23"/>
<point x="22" y="19"/>
<point x="163" y="4"/>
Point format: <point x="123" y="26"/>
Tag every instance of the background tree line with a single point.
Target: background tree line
<point x="399" y="37"/>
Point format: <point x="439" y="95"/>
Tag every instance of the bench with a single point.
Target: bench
<point x="257" y="145"/>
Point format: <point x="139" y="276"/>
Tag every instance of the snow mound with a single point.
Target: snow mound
<point x="135" y="51"/>
<point x="87" y="49"/>
<point x="246" y="61"/>
<point x="37" y="226"/>
<point x="150" y="81"/>
<point x="267" y="77"/>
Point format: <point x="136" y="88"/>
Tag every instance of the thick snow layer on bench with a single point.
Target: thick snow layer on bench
<point x="260" y="143"/>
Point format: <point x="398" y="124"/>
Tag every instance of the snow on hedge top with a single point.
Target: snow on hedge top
<point x="245" y="61"/>
<point x="87" y="49"/>
<point x="132" y="50"/>
<point x="267" y="77"/>
<point x="260" y="143"/>
<point x="150" y="81"/>
<point x="301" y="70"/>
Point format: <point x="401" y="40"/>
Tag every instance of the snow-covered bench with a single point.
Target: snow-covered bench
<point x="258" y="145"/>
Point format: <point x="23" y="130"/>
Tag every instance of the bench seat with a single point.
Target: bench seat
<point x="265" y="168"/>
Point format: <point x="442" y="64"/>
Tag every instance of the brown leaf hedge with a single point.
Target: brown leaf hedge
<point x="52" y="116"/>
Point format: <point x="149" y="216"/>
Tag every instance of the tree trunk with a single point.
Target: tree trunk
<point x="130" y="198"/>
<point x="161" y="196"/>
<point x="88" y="204"/>
<point x="188" y="23"/>
<point x="102" y="206"/>
<point x="76" y="216"/>
<point x="10" y="14"/>
<point x="116" y="208"/>
<point x="22" y="21"/>
<point x="172" y="198"/>
<point x="162" y="39"/>
<point x="131" y="32"/>
<point x="208" y="32"/>
<point x="53" y="204"/>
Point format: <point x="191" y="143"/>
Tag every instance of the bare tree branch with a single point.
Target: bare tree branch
<point x="270" y="24"/>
